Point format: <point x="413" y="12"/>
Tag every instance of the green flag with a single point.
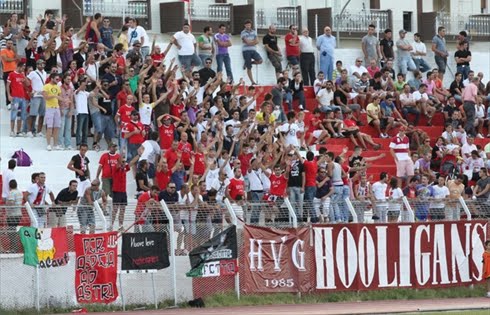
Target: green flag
<point x="29" y="242"/>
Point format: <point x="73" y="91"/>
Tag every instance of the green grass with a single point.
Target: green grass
<point x="229" y="299"/>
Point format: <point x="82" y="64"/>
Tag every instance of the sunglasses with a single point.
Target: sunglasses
<point x="172" y="187"/>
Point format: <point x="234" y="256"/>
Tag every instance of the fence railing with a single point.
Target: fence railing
<point x="282" y="18"/>
<point x="187" y="227"/>
<point x="214" y="12"/>
<point x="358" y="21"/>
<point x="137" y="9"/>
<point x="12" y="6"/>
<point x="474" y="25"/>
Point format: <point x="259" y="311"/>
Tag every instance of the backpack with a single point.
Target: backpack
<point x="22" y="158"/>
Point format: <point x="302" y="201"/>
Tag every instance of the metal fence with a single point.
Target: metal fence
<point x="115" y="9"/>
<point x="12" y="6"/>
<point x="282" y="18"/>
<point x="187" y="228"/>
<point x="474" y="25"/>
<point x="214" y="12"/>
<point x="350" y="21"/>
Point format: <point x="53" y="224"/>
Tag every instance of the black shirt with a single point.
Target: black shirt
<point x="277" y="96"/>
<point x="77" y="163"/>
<point x="168" y="197"/>
<point x="270" y="40"/>
<point x="340" y="95"/>
<point x="462" y="54"/>
<point x="387" y="47"/>
<point x="205" y="74"/>
<point x="295" y="175"/>
<point x="141" y="175"/>
<point x="454" y="85"/>
<point x="106" y="104"/>
<point x="376" y="85"/>
<point x="65" y="196"/>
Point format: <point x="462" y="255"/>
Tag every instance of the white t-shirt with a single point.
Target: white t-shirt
<point x="419" y="47"/>
<point x="38" y="79"/>
<point x="395" y="195"/>
<point x="318" y="84"/>
<point x="233" y="123"/>
<point x="467" y="148"/>
<point x="360" y="70"/>
<point x="379" y="191"/>
<point x="417" y="96"/>
<point x="292" y="131"/>
<point x="81" y="101"/>
<point x="439" y="193"/>
<point x="186" y="214"/>
<point x="33" y="191"/>
<point x="186" y="41"/>
<point x="220" y="187"/>
<point x="139" y="32"/>
<point x="326" y="97"/>
<point x="7" y="176"/>
<point x="152" y="149"/>
<point x="145" y="113"/>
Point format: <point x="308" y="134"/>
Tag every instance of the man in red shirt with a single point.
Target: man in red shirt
<point x="122" y="117"/>
<point x="311" y="169"/>
<point x="279" y="182"/>
<point x="237" y="186"/>
<point x="121" y="96"/>
<point x="172" y="154"/>
<point x="16" y="95"/>
<point x="186" y="148"/>
<point x="351" y="130"/>
<point x="292" y="45"/>
<point x="135" y="132"/>
<point x="147" y="202"/>
<point x="107" y="163"/>
<point x="166" y="130"/>
<point x="118" y="189"/>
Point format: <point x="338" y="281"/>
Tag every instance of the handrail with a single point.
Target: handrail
<point x="292" y="213"/>
<point x="465" y="207"/>
<point x="32" y="216"/>
<point x="409" y="209"/>
<point x="171" y="237"/>
<point x="351" y="210"/>
<point x="101" y="215"/>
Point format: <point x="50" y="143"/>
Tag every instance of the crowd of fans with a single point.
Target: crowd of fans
<point x="191" y="137"/>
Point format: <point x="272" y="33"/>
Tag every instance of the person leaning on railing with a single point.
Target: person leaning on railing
<point x="66" y="197"/>
<point x="14" y="213"/>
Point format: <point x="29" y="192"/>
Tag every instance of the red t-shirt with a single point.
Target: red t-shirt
<point x="199" y="163"/>
<point x="311" y="168"/>
<point x="236" y="187"/>
<point x="121" y="65"/>
<point x="17" y="88"/>
<point x="177" y="109"/>
<point x="245" y="159"/>
<point x="163" y="178"/>
<point x="346" y="168"/>
<point x="278" y="185"/>
<point x="140" y="207"/>
<point x="125" y="113"/>
<point x="108" y="162"/>
<point x="171" y="157"/>
<point x="136" y="138"/>
<point x="292" y="50"/>
<point x="119" y="178"/>
<point x="166" y="136"/>
<point x="186" y="150"/>
<point x="349" y="123"/>
<point x="121" y="97"/>
<point x="157" y="59"/>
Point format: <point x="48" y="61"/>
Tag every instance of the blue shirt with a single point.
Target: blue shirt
<point x="440" y="43"/>
<point x="326" y="44"/>
<point x="106" y="36"/>
<point x="248" y="35"/>
<point x="388" y="108"/>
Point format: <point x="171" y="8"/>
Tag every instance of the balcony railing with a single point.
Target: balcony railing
<point x="282" y="18"/>
<point x="474" y="25"/>
<point x="214" y="12"/>
<point x="358" y="21"/>
<point x="137" y="9"/>
<point x="12" y="6"/>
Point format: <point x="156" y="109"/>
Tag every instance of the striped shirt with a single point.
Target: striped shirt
<point x="401" y="147"/>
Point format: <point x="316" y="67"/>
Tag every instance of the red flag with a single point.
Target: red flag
<point x="96" y="267"/>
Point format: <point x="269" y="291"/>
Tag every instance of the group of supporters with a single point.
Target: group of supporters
<point x="192" y="138"/>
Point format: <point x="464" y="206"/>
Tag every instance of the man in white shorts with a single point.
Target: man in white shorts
<point x="399" y="148"/>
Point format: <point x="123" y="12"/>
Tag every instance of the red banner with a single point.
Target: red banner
<point x="276" y="260"/>
<point x="96" y="267"/>
<point x="363" y="257"/>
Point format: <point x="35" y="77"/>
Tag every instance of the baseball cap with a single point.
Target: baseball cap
<point x="166" y="116"/>
<point x="39" y="61"/>
<point x="136" y="42"/>
<point x="402" y="31"/>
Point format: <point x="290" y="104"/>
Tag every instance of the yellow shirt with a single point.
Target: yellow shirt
<point x="260" y="117"/>
<point x="123" y="39"/>
<point x="374" y="110"/>
<point x="52" y="89"/>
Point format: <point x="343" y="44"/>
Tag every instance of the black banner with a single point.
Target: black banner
<point x="221" y="247"/>
<point x="144" y="251"/>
